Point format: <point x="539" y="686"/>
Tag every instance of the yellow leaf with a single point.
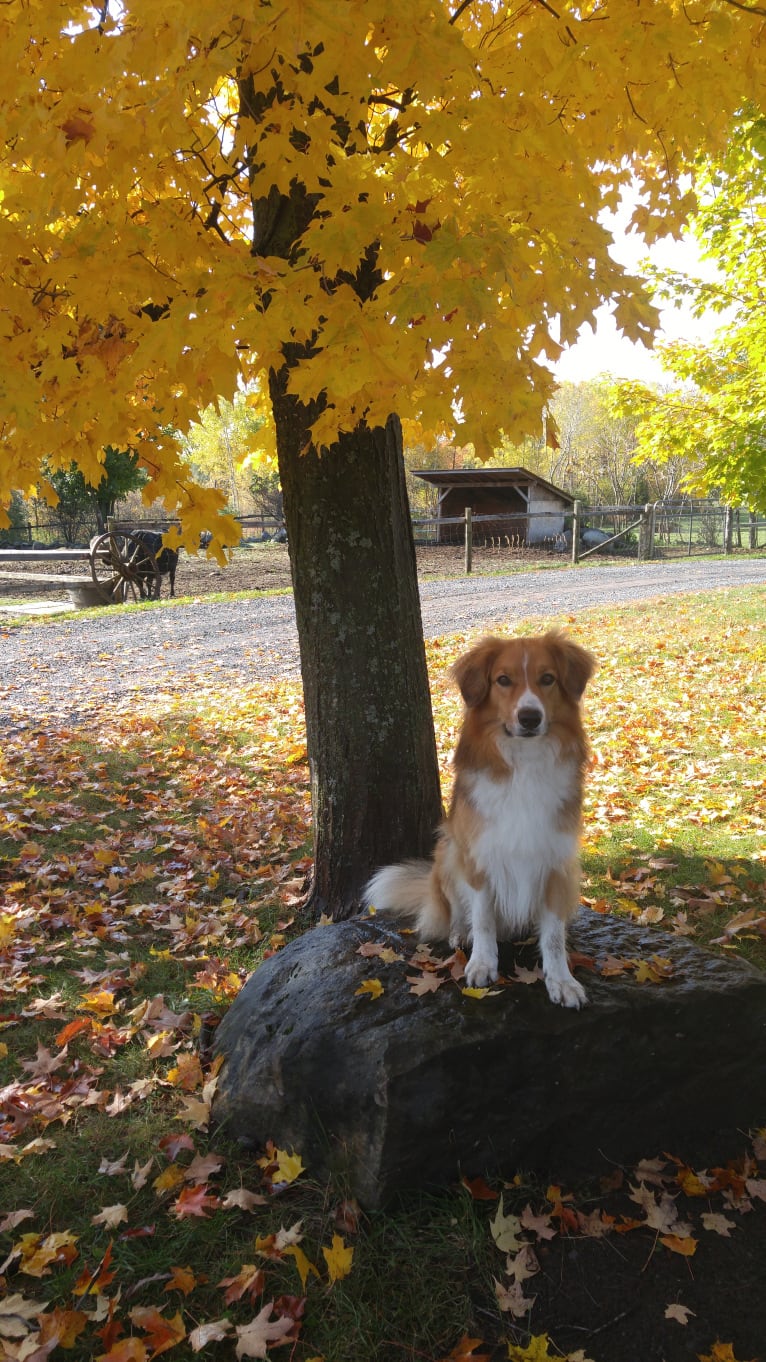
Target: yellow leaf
<point x="303" y="1264"/>
<point x="169" y="1178"/>
<point x="338" y="1259"/>
<point x="371" y="988"/>
<point x="283" y="1166"/>
<point x="686" y="1247"/>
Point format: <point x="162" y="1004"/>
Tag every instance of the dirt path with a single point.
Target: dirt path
<point x="62" y="668"/>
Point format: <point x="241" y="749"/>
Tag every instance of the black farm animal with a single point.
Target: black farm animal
<point x="165" y="558"/>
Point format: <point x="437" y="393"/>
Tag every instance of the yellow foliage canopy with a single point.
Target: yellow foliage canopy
<point x="153" y="158"/>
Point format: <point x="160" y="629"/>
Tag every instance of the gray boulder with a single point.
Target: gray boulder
<point x="411" y="1088"/>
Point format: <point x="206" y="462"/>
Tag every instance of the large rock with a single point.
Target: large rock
<point x="405" y="1089"/>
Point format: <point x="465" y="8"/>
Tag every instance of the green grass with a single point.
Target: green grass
<point x="154" y="858"/>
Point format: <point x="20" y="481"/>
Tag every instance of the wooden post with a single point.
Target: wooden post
<point x="576" y="517"/>
<point x="468" y="540"/>
<point x="646" y="534"/>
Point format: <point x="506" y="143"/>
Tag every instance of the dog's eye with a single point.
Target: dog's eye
<point x="547" y="679"/>
<point x="503" y="680"/>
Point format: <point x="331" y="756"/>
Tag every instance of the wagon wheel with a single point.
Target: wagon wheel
<point x="122" y="567"/>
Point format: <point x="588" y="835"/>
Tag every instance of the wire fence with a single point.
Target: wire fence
<point x="663" y="529"/>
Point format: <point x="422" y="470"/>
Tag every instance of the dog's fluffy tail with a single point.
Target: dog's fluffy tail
<point x="410" y="891"/>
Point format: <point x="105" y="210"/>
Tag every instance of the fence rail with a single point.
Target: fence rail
<point x="662" y="529"/>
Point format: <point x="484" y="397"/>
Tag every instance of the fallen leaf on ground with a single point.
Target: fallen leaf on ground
<point x="254" y="1339"/>
<point x="338" y="1258"/>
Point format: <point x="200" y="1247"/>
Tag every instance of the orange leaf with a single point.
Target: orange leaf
<point x="127" y="1350"/>
<point x="73" y="1029"/>
<point x="195" y="1201"/>
<point x="686" y="1247"/>
<point x="163" y="1333"/>
<point x="182" y="1279"/>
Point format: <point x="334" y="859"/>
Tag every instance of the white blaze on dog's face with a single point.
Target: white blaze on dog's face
<point x="522" y="682"/>
<point x="524" y="687"/>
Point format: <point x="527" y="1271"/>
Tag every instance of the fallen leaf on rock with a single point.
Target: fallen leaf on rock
<point x="505" y="1230"/>
<point x="527" y="976"/>
<point x="720" y="1224"/>
<point x="511" y="1299"/>
<point x="722" y="1352"/>
<point x="680" y="1313"/>
<point x="538" y="1224"/>
<point x="427" y="982"/>
<point x="387" y="954"/>
<point x="371" y="988"/>
<point x="523" y="1265"/>
<point x="686" y="1247"/>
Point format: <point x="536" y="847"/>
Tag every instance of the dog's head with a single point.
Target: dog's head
<point x="525" y="686"/>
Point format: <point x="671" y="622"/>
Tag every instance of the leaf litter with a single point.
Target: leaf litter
<point x="151" y="857"/>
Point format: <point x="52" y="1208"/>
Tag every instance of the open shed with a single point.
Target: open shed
<point x="521" y="505"/>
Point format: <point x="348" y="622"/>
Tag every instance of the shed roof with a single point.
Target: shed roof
<point x="488" y="477"/>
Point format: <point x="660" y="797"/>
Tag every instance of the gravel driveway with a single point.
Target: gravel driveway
<point x="61" y="668"/>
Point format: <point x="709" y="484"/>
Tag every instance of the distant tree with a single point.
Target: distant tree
<point x="586" y="446"/>
<point x="75" y="504"/>
<point x="18" y="522"/>
<point x="715" y="418"/>
<point x="220" y="446"/>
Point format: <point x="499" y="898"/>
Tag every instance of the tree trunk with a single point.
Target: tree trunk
<point x="372" y="753"/>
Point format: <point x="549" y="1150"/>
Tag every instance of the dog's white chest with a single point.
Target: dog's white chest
<point x="521" y="840"/>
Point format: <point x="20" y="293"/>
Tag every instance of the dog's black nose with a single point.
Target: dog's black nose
<point x="529" y="719"/>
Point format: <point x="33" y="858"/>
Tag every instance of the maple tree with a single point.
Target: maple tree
<point x="372" y="219"/>
<point x="714" y="418"/>
<point x="79" y="506"/>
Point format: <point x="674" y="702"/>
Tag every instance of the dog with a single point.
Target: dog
<point x="507" y="855"/>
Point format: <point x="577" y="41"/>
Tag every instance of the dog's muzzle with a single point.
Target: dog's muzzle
<point x="529" y="722"/>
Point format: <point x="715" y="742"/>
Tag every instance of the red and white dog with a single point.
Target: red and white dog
<point x="507" y="858"/>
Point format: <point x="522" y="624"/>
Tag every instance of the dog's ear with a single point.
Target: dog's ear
<point x="576" y="664"/>
<point x="473" y="671"/>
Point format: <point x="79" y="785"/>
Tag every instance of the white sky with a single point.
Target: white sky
<point x="606" y="350"/>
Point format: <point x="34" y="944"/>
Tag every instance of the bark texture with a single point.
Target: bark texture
<point x="374" y="773"/>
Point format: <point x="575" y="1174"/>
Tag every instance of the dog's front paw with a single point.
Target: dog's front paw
<point x="567" y="992"/>
<point x="480" y="971"/>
